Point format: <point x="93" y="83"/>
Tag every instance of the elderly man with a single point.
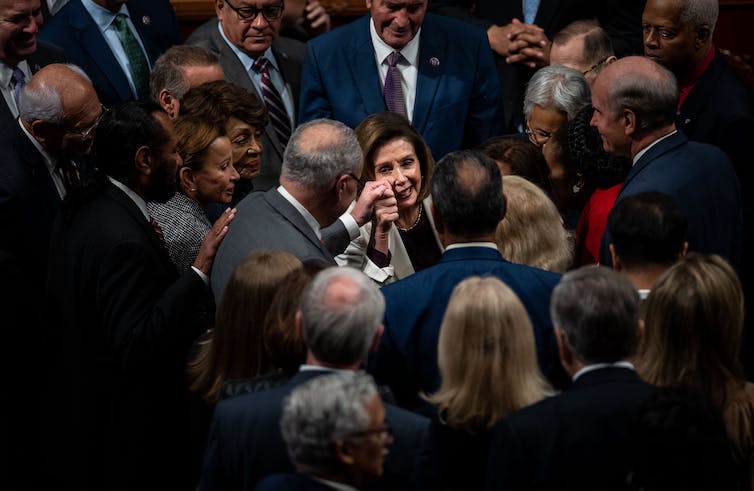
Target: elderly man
<point x="124" y="320"/>
<point x="584" y="46"/>
<point x="635" y="102"/>
<point x="21" y="54"/>
<point x="115" y="42"/>
<point x="317" y="185"/>
<point x="245" y="39"/>
<point x="468" y="203"/>
<point x="322" y="412"/>
<point x="437" y="72"/>
<point x="578" y="439"/>
<point x="339" y="318"/>
<point x="179" y="69"/>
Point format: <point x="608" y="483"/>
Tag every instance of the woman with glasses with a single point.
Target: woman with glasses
<point x="244" y="118"/>
<point x="488" y="366"/>
<point x="401" y="239"/>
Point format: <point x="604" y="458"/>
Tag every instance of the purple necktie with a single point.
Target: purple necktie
<point x="279" y="119"/>
<point x="19" y="80"/>
<point x="393" y="91"/>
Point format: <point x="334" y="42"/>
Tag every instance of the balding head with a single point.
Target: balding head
<point x="60" y="109"/>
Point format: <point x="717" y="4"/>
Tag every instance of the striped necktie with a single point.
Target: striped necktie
<point x="137" y="62"/>
<point x="279" y="119"/>
<point x="393" y="90"/>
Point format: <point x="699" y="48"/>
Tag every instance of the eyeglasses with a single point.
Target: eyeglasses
<point x="537" y="137"/>
<point x="87" y="132"/>
<point x="595" y="66"/>
<point x="269" y="12"/>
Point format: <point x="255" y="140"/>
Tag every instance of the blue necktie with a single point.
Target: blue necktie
<point x="19" y="80"/>
<point x="530" y="10"/>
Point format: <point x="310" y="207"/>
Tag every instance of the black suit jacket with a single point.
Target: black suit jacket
<point x="290" y="55"/>
<point x="245" y="443"/>
<point x="291" y="482"/>
<point x="121" y="325"/>
<point x="576" y="440"/>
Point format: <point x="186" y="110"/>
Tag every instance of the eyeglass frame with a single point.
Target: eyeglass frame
<point x="87" y="132"/>
<point x="534" y="136"/>
<point x="595" y="66"/>
<point x="240" y="12"/>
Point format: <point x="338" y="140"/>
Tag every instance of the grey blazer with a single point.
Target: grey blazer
<point x="290" y="55"/>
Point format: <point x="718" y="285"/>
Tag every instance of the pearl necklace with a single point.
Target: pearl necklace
<point x="412" y="226"/>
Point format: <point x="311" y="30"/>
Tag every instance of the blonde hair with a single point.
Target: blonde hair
<point x="235" y="348"/>
<point x="693" y="325"/>
<point x="532" y="230"/>
<point x="486" y="356"/>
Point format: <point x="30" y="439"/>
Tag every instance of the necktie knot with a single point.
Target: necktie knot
<point x="260" y="64"/>
<point x="394" y="58"/>
<point x="120" y="22"/>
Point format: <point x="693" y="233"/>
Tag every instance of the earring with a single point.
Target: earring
<point x="576" y="188"/>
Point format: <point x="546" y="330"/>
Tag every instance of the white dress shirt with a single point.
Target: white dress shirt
<point x="7" y="86"/>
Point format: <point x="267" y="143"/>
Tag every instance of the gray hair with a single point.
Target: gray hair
<point x="318" y="163"/>
<point x="337" y="328"/>
<point x="321" y="411"/>
<point x="557" y="87"/>
<point x="598" y="311"/>
<point x="169" y="73"/>
<point x="41" y="102"/>
<point x="653" y="96"/>
<point x="697" y="13"/>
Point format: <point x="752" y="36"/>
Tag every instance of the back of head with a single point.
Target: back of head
<point x="597" y="47"/>
<point x="169" y="71"/>
<point x="694" y="319"/>
<point x="51" y="89"/>
<point x="318" y="152"/>
<point x="647" y="229"/>
<point x="486" y="356"/>
<point x="218" y="101"/>
<point x="322" y="411"/>
<point x="519" y="158"/>
<point x="557" y="87"/>
<point x="467" y="190"/>
<point x="532" y="230"/>
<point x="122" y="131"/>
<point x="597" y="310"/>
<point x="646" y="88"/>
<point x="341" y="311"/>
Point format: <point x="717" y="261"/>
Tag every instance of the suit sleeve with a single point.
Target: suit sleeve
<point x="484" y="118"/>
<point x="144" y="323"/>
<point x="313" y="101"/>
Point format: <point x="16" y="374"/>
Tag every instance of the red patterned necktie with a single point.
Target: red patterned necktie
<point x="279" y="119"/>
<point x="157" y="230"/>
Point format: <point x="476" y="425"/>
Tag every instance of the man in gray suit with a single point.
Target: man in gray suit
<point x="243" y="36"/>
<point x="305" y="215"/>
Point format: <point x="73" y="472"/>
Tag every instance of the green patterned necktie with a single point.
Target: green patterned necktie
<point x="136" y="59"/>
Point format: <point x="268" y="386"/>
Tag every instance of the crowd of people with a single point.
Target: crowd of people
<point x="449" y="245"/>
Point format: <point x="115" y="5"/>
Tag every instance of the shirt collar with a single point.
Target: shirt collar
<point x="645" y="149"/>
<point x="597" y="366"/>
<point x="246" y="60"/>
<point x="6" y="72"/>
<point x="138" y="200"/>
<point x="459" y="245"/>
<point x="308" y="217"/>
<point x="101" y="16"/>
<point x="338" y="486"/>
<point x="410" y="52"/>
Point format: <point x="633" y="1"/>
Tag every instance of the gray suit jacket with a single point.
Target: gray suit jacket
<point x="290" y="55"/>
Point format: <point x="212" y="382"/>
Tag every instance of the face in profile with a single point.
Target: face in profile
<point x="396" y="163"/>
<point x="246" y="141"/>
<point x="397" y="21"/>
<point x="612" y="132"/>
<point x="543" y="122"/>
<point x="251" y="25"/>
<point x="216" y="180"/>
<point x="165" y="162"/>
<point x="368" y="447"/>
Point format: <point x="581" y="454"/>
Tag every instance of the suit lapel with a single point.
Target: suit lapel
<point x="364" y="70"/>
<point x="291" y="214"/>
<point x="653" y="153"/>
<point x="90" y="38"/>
<point x="287" y="69"/>
<point x="699" y="96"/>
<point x="432" y="51"/>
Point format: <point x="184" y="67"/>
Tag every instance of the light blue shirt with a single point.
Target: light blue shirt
<point x="104" y="20"/>
<point x="256" y="78"/>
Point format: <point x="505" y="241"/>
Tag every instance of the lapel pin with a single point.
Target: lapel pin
<point x="434" y="61"/>
<point x="146" y="20"/>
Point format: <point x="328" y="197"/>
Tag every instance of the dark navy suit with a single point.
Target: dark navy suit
<point x="457" y="91"/>
<point x="245" y="443"/>
<point x="702" y="180"/>
<point x="407" y="356"/>
<point x="74" y="30"/>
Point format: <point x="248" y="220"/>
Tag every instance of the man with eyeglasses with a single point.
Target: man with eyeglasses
<point x="253" y="56"/>
<point x="584" y="46"/>
<point x="340" y="319"/>
<point x="437" y="72"/>
<point x="116" y="42"/>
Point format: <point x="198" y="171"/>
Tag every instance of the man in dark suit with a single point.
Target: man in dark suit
<point x="339" y="318"/>
<point x="305" y="215"/>
<point x="442" y="77"/>
<point x="115" y="42"/>
<point x="636" y="122"/>
<point x="21" y="54"/>
<point x="579" y="439"/>
<point x="468" y="203"/>
<point x="122" y="319"/>
<point x="244" y="34"/>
